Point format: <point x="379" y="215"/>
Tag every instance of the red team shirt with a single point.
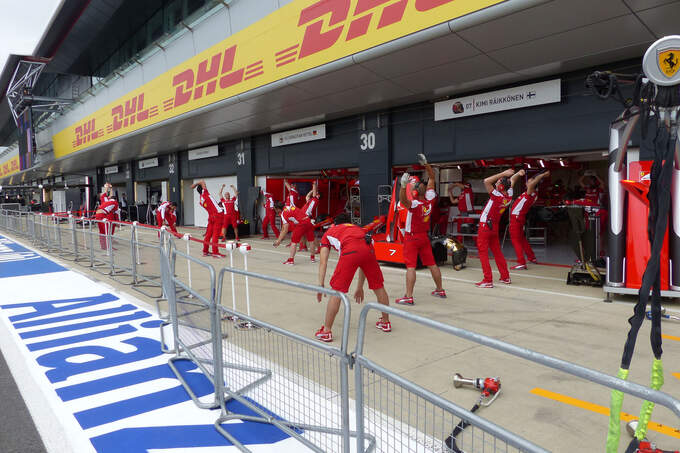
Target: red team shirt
<point x="419" y="213"/>
<point x="593" y="195"/>
<point x="293" y="215"/>
<point x="230" y="206"/>
<point x="521" y="206"/>
<point x="209" y="203"/>
<point x="111" y="209"/>
<point x="293" y="197"/>
<point x="344" y="238"/>
<point x="310" y="205"/>
<point x="162" y="210"/>
<point x="268" y="202"/>
<point x="465" y="200"/>
<point x="495" y="207"/>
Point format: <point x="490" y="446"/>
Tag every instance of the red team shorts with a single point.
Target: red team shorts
<point x="417" y="245"/>
<point x="305" y="229"/>
<point x="349" y="262"/>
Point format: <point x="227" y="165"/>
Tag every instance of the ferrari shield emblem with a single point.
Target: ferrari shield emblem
<point x="669" y="61"/>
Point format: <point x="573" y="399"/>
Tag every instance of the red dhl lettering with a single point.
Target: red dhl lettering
<point x="128" y="113"/>
<point x="203" y="81"/>
<point x="316" y="39"/>
<point x="86" y="132"/>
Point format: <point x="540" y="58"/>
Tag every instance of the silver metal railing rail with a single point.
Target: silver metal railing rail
<point x="293" y="382"/>
<point x="380" y="413"/>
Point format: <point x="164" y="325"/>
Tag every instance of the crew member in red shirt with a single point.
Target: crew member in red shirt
<point x="355" y="254"/>
<point x="163" y="215"/>
<point x="464" y="202"/>
<point x="269" y="216"/>
<point x="499" y="187"/>
<point x="518" y="217"/>
<point x="106" y="194"/>
<point x="107" y="212"/>
<point x="215" y="214"/>
<point x="293" y="196"/>
<point x="312" y="201"/>
<point x="416" y="240"/>
<point x="231" y="214"/>
<point x="303" y="227"/>
<point x="593" y="187"/>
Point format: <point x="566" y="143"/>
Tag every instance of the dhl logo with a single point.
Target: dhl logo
<point x="130" y="112"/>
<point x="193" y="83"/>
<point x="87" y="132"/>
<point x="320" y="35"/>
<point x="9" y="167"/>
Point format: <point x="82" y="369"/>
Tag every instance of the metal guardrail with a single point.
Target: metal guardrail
<point x="290" y="381"/>
<point x="370" y="389"/>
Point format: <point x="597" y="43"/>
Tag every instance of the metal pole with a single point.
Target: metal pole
<point x="230" y="246"/>
<point x="133" y="252"/>
<point x="135" y="223"/>
<point x="187" y="238"/>
<point x="109" y="244"/>
<point x="91" y="244"/>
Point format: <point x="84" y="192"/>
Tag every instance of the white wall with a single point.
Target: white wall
<point x="58" y="201"/>
<point x="214" y="185"/>
<point x="140" y="192"/>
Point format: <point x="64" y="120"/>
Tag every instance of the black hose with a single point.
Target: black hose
<point x="659" y="207"/>
<point x="450" y="441"/>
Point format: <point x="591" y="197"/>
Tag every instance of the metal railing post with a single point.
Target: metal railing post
<point x="74" y="236"/>
<point x="133" y="252"/>
<point x="344" y="376"/>
<point x="187" y="238"/>
<point x="109" y="245"/>
<point x="49" y="239"/>
<point x="91" y="244"/>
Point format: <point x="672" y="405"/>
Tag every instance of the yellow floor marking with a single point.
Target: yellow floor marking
<point x="670" y="337"/>
<point x="653" y="426"/>
<point x="677" y="375"/>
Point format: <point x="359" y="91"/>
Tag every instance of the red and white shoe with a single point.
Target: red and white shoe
<point x="404" y="301"/>
<point x="324" y="335"/>
<point x="535" y="261"/>
<point x="289" y="261"/>
<point x="313" y="259"/>
<point x="441" y="293"/>
<point x="384" y="326"/>
<point x="218" y="255"/>
<point x="519" y="267"/>
<point x="207" y="254"/>
<point x="264" y="237"/>
<point x="484" y="284"/>
<point x="507" y="281"/>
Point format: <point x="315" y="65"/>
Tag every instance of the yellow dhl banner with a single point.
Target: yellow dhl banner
<point x="9" y="167"/>
<point x="299" y="36"/>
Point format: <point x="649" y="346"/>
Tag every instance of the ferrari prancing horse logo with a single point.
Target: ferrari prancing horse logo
<point x="669" y="61"/>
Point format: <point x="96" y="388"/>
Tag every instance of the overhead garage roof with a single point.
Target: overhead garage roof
<point x="472" y="53"/>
